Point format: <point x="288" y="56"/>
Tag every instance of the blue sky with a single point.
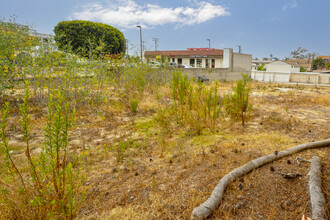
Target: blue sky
<point x="261" y="27"/>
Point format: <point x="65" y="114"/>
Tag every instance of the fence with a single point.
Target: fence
<point x="308" y="77"/>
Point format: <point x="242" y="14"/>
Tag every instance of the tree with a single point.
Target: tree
<point x="89" y="39"/>
<point x="328" y="66"/>
<point x="318" y="62"/>
<point x="300" y="54"/>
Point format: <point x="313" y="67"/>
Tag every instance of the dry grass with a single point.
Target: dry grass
<point x="164" y="174"/>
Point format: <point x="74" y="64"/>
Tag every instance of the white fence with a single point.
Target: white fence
<point x="314" y="78"/>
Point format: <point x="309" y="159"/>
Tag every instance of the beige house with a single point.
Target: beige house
<point x="306" y="63"/>
<point x="279" y="66"/>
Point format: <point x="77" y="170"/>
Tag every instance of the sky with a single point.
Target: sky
<point x="260" y="27"/>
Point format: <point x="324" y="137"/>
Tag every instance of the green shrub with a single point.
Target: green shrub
<point x="134" y="105"/>
<point x="237" y="104"/>
<point x="89" y="39"/>
<point x="261" y="67"/>
<point x="303" y="69"/>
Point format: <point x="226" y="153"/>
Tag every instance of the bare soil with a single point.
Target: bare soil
<point x="164" y="175"/>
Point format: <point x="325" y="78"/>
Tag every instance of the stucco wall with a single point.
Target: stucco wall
<point x="324" y="78"/>
<point x="242" y="62"/>
<point x="313" y="78"/>
<point x="220" y="74"/>
<point x="278" y="67"/>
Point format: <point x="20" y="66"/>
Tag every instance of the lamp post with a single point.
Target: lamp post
<point x="209" y="40"/>
<point x="139" y="26"/>
<point x="126" y="44"/>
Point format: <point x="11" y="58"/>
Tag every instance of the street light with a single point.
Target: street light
<point x="209" y="40"/>
<point x="126" y="44"/>
<point x="139" y="26"/>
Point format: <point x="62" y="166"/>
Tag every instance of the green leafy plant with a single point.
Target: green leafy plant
<point x="317" y="63"/>
<point x="45" y="185"/>
<point x="237" y="103"/>
<point x="134" y="105"/>
<point x="302" y="69"/>
<point x="261" y="67"/>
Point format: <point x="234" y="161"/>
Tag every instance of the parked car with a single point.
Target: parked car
<point x="184" y="66"/>
<point x="154" y="64"/>
<point x="173" y="64"/>
<point x="202" y="79"/>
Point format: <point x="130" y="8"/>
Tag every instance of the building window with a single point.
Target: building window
<point x="179" y="60"/>
<point x="173" y="59"/>
<point x="213" y="63"/>
<point x="199" y="63"/>
<point x="206" y="63"/>
<point x="192" y="62"/>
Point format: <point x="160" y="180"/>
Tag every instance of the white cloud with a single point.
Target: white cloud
<point x="292" y="4"/>
<point x="128" y="14"/>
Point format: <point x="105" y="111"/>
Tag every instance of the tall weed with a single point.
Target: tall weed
<point x="237" y="104"/>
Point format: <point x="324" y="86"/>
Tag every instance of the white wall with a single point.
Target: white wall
<point x="227" y="58"/>
<point x="314" y="78"/>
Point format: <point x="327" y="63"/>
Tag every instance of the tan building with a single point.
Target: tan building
<point x="204" y="58"/>
<point x="306" y="63"/>
<point x="220" y="64"/>
<point x="195" y="57"/>
<point x="279" y="66"/>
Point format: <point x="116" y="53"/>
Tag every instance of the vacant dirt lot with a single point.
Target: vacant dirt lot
<point x="137" y="169"/>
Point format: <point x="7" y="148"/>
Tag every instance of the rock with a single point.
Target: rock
<point x="97" y="141"/>
<point x="162" y="187"/>
<point x="76" y="142"/>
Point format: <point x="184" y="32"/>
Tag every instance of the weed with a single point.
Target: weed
<point x="50" y="190"/>
<point x="237" y="104"/>
<point x="134" y="105"/>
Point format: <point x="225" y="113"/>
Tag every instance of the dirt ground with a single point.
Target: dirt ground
<point x="164" y="175"/>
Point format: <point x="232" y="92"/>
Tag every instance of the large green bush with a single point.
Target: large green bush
<point x="89" y="39"/>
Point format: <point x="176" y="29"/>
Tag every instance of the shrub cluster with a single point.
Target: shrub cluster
<point x="198" y="106"/>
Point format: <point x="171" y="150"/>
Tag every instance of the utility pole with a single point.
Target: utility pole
<point x="239" y="48"/>
<point x="139" y="26"/>
<point x="144" y="48"/>
<point x="209" y="64"/>
<point x="126" y="41"/>
<point x="156" y="41"/>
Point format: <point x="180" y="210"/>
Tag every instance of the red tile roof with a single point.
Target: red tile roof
<point x="172" y="53"/>
<point x="324" y="57"/>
